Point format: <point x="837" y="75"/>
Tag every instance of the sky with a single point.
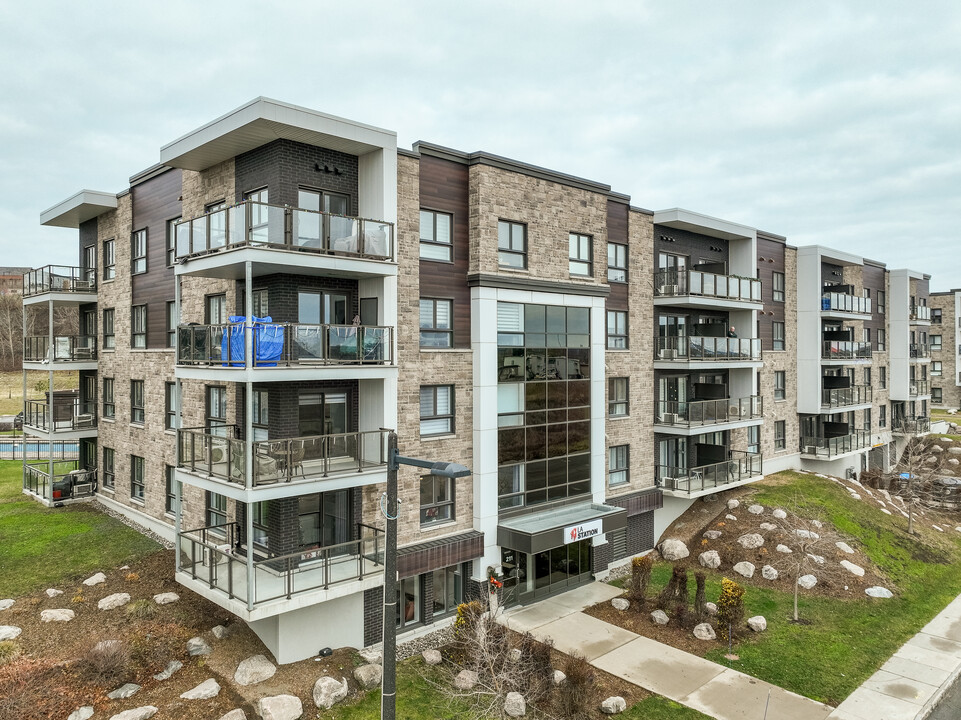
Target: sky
<point x="837" y="123"/>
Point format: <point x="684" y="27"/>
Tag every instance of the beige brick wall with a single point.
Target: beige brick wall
<point x="948" y="330"/>
<point x="786" y="360"/>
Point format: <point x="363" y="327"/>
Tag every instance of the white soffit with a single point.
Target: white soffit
<point x="263" y="120"/>
<point x="85" y="205"/>
<point x="703" y="224"/>
<point x="838" y="257"/>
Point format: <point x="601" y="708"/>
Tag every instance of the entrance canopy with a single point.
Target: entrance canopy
<point x="546" y="529"/>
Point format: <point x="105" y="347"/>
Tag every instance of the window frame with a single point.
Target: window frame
<point x="433" y="242"/>
<point x="213" y="511"/>
<point x="109" y="259"/>
<point x="108" y="395"/>
<point x="138" y="327"/>
<point x="138" y="471"/>
<point x="510" y="251"/>
<point x="449" y="416"/>
<point x="211" y="303"/>
<point x="433" y="512"/>
<point x="109" y="329"/>
<point x="936" y="346"/>
<point x="624" y="268"/>
<point x="780" y="438"/>
<point x="582" y="241"/>
<point x="778" y="293"/>
<point x="138" y="252"/>
<point x="937" y="395"/>
<point x="937" y="368"/>
<point x="882" y="340"/>
<point x="137" y="411"/>
<point x="260" y="414"/>
<point x="171" y="249"/>
<point x="615" y="401"/>
<point x="780" y="385"/>
<point x="171" y="507"/>
<point x="881" y="299"/>
<point x="778" y="332"/>
<point x="882" y="378"/>
<point x="882" y="415"/>
<point x="172" y="323"/>
<point x="613" y="338"/>
<point x="937" y="316"/>
<point x="433" y="330"/>
<point x="171" y="405"/>
<point x="107" y="476"/>
<point x="619" y="453"/>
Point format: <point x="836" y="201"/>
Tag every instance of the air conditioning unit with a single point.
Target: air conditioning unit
<point x="667" y="290"/>
<point x="669" y="418"/>
<point x="667" y="353"/>
<point x="849" y="473"/>
<point x="734" y="410"/>
<point x="810" y="449"/>
<point x="82" y="489"/>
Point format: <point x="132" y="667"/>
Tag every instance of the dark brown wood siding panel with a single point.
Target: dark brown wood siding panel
<point x="88" y="236"/>
<point x="443" y="187"/>
<point x="617" y="232"/>
<point x="695" y="247"/>
<point x="873" y="278"/>
<point x="155" y="201"/>
<point x="770" y="250"/>
<point x="922" y="290"/>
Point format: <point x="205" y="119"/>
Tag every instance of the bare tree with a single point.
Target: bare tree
<point x="915" y="478"/>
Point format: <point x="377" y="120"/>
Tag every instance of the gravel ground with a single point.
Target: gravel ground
<point x="166" y="544"/>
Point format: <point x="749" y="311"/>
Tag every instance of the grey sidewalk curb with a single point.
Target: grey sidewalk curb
<point x="929" y="706"/>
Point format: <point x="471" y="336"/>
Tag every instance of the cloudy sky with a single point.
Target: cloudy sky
<point x="827" y="122"/>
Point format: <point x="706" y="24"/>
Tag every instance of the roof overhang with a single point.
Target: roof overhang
<point x="539" y="531"/>
<point x="263" y="120"/>
<point x="85" y="205"/>
<point x="831" y="255"/>
<point x="703" y="224"/>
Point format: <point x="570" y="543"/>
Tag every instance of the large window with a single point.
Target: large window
<point x="780" y="384"/>
<point x="172" y="241"/>
<point x="171" y="324"/>
<point x="136" y="478"/>
<point x="936" y="316"/>
<point x="616" y="262"/>
<point x="109" y="339"/>
<point x="754" y="439"/>
<point x="172" y="488"/>
<point x="261" y="415"/>
<point x="109" y="408"/>
<point x="138" y="252"/>
<point x="580" y="254"/>
<point x="435" y="236"/>
<point x="215" y="510"/>
<point x="511" y="244"/>
<point x="882" y="300"/>
<point x="436" y="324"/>
<point x="436" y="499"/>
<point x="882" y="340"/>
<point x="109" y="260"/>
<point x="171" y="403"/>
<point x="882" y="377"/>
<point x="436" y="410"/>
<point x="778" y="284"/>
<point x="777" y="334"/>
<point x="867" y="420"/>
<point x="215" y="309"/>
<point x="619" y="461"/>
<point x="935" y="343"/>
<point x="780" y="434"/>
<point x="217" y="410"/>
<point x="136" y="402"/>
<point x="617" y="338"/>
<point x="138" y="326"/>
<point x="448" y="585"/>
<point x="883" y="416"/>
<point x="936" y="368"/>
<point x="106" y="474"/>
<point x="937" y="396"/>
<point x="618" y="404"/>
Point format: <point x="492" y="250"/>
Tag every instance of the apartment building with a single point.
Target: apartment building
<point x="945" y="350"/>
<point x="284" y="287"/>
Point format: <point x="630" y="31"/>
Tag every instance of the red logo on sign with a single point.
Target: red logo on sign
<point x="573" y="533"/>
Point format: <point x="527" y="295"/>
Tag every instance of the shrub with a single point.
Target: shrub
<point x="640" y="577"/>
<point x="467" y="616"/>
<point x="730" y="606"/>
<point x="538" y="671"/>
<point x="107" y="662"/>
<point x="154" y="643"/>
<point x="700" y="609"/>
<point x="670" y="596"/>
<point x="9" y="651"/>
<point x="132" y="577"/>
<point x="78" y="598"/>
<point x="142" y="609"/>
<point x="574" y="694"/>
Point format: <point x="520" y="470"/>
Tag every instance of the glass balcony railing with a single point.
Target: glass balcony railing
<point x="677" y="283"/>
<point x="284" y="345"/>
<point x="831" y="447"/>
<point x="66" y="348"/>
<point x="253" y="224"/>
<point x="918" y="387"/>
<point x="59" y="278"/>
<point x="919" y="351"/>
<point x="708" y="412"/>
<point x="842" y="302"/>
<point x="739" y="466"/>
<point x="845" y="350"/>
<point x="69" y="480"/>
<point x="67" y="416"/>
<point x="841" y="397"/>
<point x="911" y="426"/>
<point x="921" y="313"/>
<point x="709" y="349"/>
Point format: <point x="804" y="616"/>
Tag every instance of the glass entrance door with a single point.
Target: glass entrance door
<point x="561" y="568"/>
<point x="325" y="519"/>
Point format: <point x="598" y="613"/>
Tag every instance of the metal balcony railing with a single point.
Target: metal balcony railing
<point x="740" y="465"/>
<point x="676" y="283"/>
<point x="842" y="302"/>
<point x="919" y="351"/>
<point x="911" y="425"/>
<point x="709" y="349"/>
<point x="253" y="224"/>
<point x="69" y="480"/>
<point x="66" y="348"/>
<point x="841" y="397"/>
<point x="831" y="447"/>
<point x="920" y="312"/>
<point x="845" y="350"/>
<point x="708" y="412"/>
<point x="59" y="278"/>
<point x="284" y="345"/>
<point x="67" y="415"/>
<point x="918" y="387"/>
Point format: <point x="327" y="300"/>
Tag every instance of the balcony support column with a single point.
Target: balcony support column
<point x="51" y="356"/>
<point x="248" y="428"/>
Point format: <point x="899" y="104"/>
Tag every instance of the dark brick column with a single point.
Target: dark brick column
<point x="601" y="557"/>
<point x="373" y="615"/>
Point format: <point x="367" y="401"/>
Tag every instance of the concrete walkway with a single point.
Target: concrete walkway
<point x="698" y="683"/>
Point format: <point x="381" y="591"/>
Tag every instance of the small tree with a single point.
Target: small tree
<point x="913" y="478"/>
<point x="640" y="578"/>
<point x="730" y="607"/>
<point x="668" y="598"/>
<point x="700" y="605"/>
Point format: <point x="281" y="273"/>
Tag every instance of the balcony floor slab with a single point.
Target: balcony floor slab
<point x="231" y="264"/>
<point x="702" y="301"/>
<point x="706" y="364"/>
<point x="294" y="373"/>
<point x="310" y="484"/>
<point x="692" y="430"/>
<point x="693" y="495"/>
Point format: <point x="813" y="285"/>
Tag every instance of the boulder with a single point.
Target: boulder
<point x="112" y="602"/>
<point x="204" y="691"/>
<point x="328" y="691"/>
<point x="124" y="691"/>
<point x="750" y="541"/>
<point x="673" y="549"/>
<point x="660" y="617"/>
<point x="819" y="559"/>
<point x="166" y="598"/>
<point x="710" y="559"/>
<point x="432" y="657"/>
<point x="52" y="593"/>
<point x="280" y="707"/>
<point x="218" y="631"/>
<point x="852" y="568"/>
<point x="704" y="631"/>
<point x="756" y="509"/>
<point x="9" y="632"/>
<point x="807" y="581"/>
<point x="81" y="713"/>
<point x="620" y="604"/>
<point x="779" y="514"/>
<point x="711" y="534"/>
<point x="515" y="705"/>
<point x="730" y="517"/>
<point x="559" y="677"/>
<point x="936" y="527"/>
<point x="879" y="592"/>
<point x="744" y="568"/>
<point x="807" y="534"/>
<point x="732" y="504"/>
<point x="465" y="680"/>
<point x="817" y="523"/>
<point x="198" y="646"/>
<point x="845" y="548"/>
<point x="954" y="450"/>
<point x="711" y="608"/>
<point x="757" y="623"/>
<point x="140" y="713"/>
<point x="253" y="670"/>
<point x="784" y="549"/>
<point x="95" y="579"/>
<point x="768" y="526"/>
<point x="371" y="656"/>
<point x="58" y="615"/>
<point x="769" y="573"/>
<point x="172" y="667"/>
<point x="368" y="676"/>
<point x="614" y="705"/>
<point x="235" y="714"/>
<point x="6" y="604"/>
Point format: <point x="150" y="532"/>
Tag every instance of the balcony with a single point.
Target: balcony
<point x="223" y="458"/>
<point x="60" y="279"/>
<point x="920" y="314"/>
<point x="70" y="481"/>
<point x="701" y="413"/>
<point x="826" y="448"/>
<point x="834" y="302"/>
<point x="845" y="397"/>
<point x="845" y="350"/>
<point x="919" y="351"/>
<point x="708" y="349"/>
<point x="67" y="417"/>
<point x="213" y="560"/>
<point x="740" y="468"/>
<point x="917" y="388"/>
<point x="66" y="348"/>
<point x="911" y="426"/>
<point x="694" y="288"/>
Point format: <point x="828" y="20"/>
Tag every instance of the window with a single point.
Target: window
<point x="935" y="343"/>
<point x="215" y="310"/>
<point x="260" y="416"/>
<point x="172" y="489"/>
<point x="617" y="330"/>
<point x="448" y="584"/>
<point x="882" y="340"/>
<point x="109" y="408"/>
<point x="436" y="409"/>
<point x="617" y="400"/>
<point x="616" y="263"/>
<point x="778" y="284"/>
<point x="619" y="464"/>
<point x="215" y="510"/>
<point x="867" y="419"/>
<point x="107" y="473"/>
<point x="217" y="410"/>
<point x="867" y="377"/>
<point x="260" y="307"/>
<point x="511" y="244"/>
<point x="780" y="384"/>
<point x="136" y="401"/>
<point x="172" y="241"/>
<point x="936" y="316"/>
<point x="866" y="335"/>
<point x="754" y="439"/>
<point x="435" y="236"/>
<point x="935" y="368"/>
<point x="936" y="395"/>
<point x="580" y="254"/>
<point x="408" y="601"/>
<point x="136" y="478"/>
<point x="883" y="416"/>
<point x="780" y="434"/>
<point x="882" y="299"/>
<point x="171" y="324"/>
<point x="436" y="327"/>
<point x="138" y="326"/>
<point x="108" y="337"/>
<point x="109" y="260"/>
<point x="259" y="512"/>
<point x="436" y="499"/>
<point x="170" y="405"/>
<point x="89" y="264"/>
<point x="777" y="335"/>
<point x="138" y="252"/>
<point x="882" y="378"/>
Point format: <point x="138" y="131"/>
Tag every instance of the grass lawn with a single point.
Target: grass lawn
<point x="11" y="387"/>
<point x="47" y="547"/>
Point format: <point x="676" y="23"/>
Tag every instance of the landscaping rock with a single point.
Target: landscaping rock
<point x="731" y="504"/>
<point x="280" y="707"/>
<point x="710" y="559"/>
<point x="124" y="691"/>
<point x="614" y="705"/>
<point x="328" y="691"/>
<point x="819" y="559"/>
<point x="852" y="568"/>
<point x="954" y="451"/>
<point x="368" y="675"/>
<point x="807" y="581"/>
<point x="52" y="593"/>
<point x="784" y="549"/>
<point x="172" y="667"/>
<point x="750" y="541"/>
<point x="106" y="646"/>
<point x="807" y="534"/>
<point x="514" y="655"/>
<point x="817" y="523"/>
<point x="371" y="655"/>
<point x="620" y="604"/>
<point x="937" y="528"/>
<point x="757" y="623"/>
<point x="432" y="657"/>
<point x="711" y="608"/>
<point x="6" y="604"/>
<point x="660" y="617"/>
<point x="888" y="512"/>
<point x="879" y="592"/>
<point x="559" y="677"/>
<point x="253" y="670"/>
<point x="744" y="568"/>
<point x="769" y="573"/>
<point x="235" y="714"/>
<point x="844" y="547"/>
<point x="81" y="713"/>
<point x="198" y="646"/>
<point x="465" y="680"/>
<point x="756" y="509"/>
<point x="204" y="691"/>
<point x="140" y="713"/>
<point x="112" y="602"/>
<point x="95" y="579"/>
<point x="673" y="549"/>
<point x="59" y="615"/>
<point x="166" y="598"/>
<point x="515" y="705"/>
<point x="9" y="632"/>
<point x="704" y="631"/>
<point x="768" y="526"/>
<point x="218" y="631"/>
<point x="779" y="514"/>
<point x="711" y="534"/>
<point x="730" y="517"/>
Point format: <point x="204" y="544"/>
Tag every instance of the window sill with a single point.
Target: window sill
<point x="137" y="425"/>
<point x="442" y="436"/>
<point x="110" y="490"/>
<point x="508" y="269"/>
<point x="108" y="419"/>
<point x="446" y="350"/>
<point x="434" y="526"/>
<point x="138" y="501"/>
<point x="618" y="417"/>
<point x="624" y="483"/>
<point x="618" y="350"/>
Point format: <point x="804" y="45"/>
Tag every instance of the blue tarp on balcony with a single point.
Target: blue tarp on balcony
<point x="268" y="340"/>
